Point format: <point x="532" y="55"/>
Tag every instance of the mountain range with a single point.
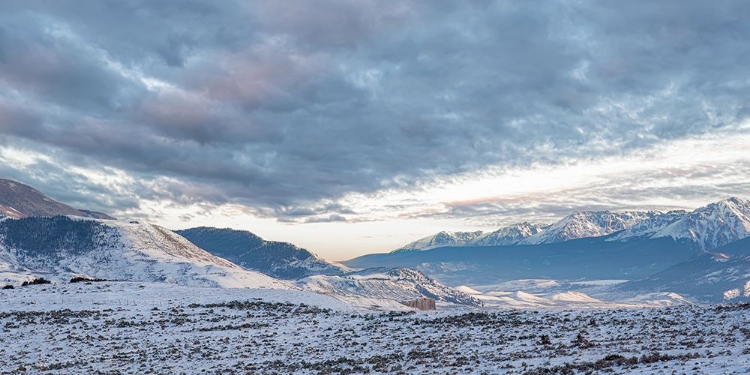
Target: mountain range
<point x="577" y="225"/>
<point x="63" y="247"/>
<point x="707" y="228"/>
<point x="40" y="237"/>
<point x="510" y="235"/>
<point x="581" y="246"/>
<point x="703" y="253"/>
<point x="278" y="259"/>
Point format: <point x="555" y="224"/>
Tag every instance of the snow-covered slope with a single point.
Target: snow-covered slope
<point x="278" y="259"/>
<point x="400" y="284"/>
<point x="509" y="235"/>
<point x="647" y="228"/>
<point x="711" y="226"/>
<point x="441" y="239"/>
<point x="723" y="274"/>
<point x="585" y="224"/>
<point x="61" y="247"/>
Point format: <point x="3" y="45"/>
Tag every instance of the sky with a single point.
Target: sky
<point x="351" y="127"/>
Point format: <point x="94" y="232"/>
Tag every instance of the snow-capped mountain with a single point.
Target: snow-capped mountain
<point x="577" y="225"/>
<point x="723" y="274"/>
<point x="60" y="247"/>
<point x="647" y="228"/>
<point x="585" y="224"/>
<point x="18" y="200"/>
<point x="401" y="284"/>
<point x="709" y="227"/>
<point x="278" y="259"/>
<point x="509" y="235"/>
<point x="441" y="239"/>
<point x="626" y="245"/>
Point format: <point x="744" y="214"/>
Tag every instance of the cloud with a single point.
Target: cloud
<point x="329" y="219"/>
<point x="286" y="107"/>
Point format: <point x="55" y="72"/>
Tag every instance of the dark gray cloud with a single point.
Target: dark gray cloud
<point x="286" y="106"/>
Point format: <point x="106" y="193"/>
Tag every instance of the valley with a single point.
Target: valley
<point x="595" y="292"/>
<point x="374" y="187"/>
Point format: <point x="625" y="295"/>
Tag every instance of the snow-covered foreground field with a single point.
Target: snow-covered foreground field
<point x="157" y="328"/>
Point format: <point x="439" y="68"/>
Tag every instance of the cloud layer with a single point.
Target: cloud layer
<point x="286" y="107"/>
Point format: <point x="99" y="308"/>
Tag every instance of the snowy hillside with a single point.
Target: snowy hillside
<point x="441" y="239"/>
<point x="60" y="247"/>
<point x="585" y="224"/>
<point x="647" y="228"/>
<point x="723" y="274"/>
<point x="389" y="284"/>
<point x="509" y="235"/>
<point x="278" y="259"/>
<point x="140" y="328"/>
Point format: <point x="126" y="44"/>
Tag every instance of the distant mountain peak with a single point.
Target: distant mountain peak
<point x="18" y="200"/>
<point x="441" y="239"/>
<point x="713" y="225"/>
<point x="647" y="228"/>
<point x="735" y="201"/>
<point x="582" y="224"/>
<point x="509" y="235"/>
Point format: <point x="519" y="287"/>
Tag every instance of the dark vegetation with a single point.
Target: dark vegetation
<point x="80" y="279"/>
<point x="277" y="259"/>
<point x="48" y="236"/>
<point x="38" y="281"/>
<point x="256" y="336"/>
<point x="612" y="360"/>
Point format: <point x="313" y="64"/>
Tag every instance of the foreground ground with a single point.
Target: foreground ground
<point x="150" y="328"/>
